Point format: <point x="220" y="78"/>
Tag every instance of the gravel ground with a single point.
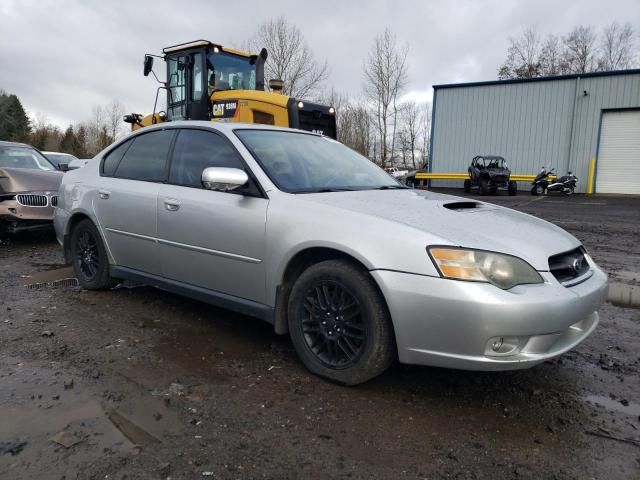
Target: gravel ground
<point x="138" y="383"/>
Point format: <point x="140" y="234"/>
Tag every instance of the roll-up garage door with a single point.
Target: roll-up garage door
<point x="618" y="167"/>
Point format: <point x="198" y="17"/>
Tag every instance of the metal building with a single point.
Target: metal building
<point x="567" y="122"/>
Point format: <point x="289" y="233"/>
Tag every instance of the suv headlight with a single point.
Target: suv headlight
<point x="503" y="271"/>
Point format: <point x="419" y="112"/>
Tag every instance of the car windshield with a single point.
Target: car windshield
<point x="232" y="72"/>
<point x="23" y="157"/>
<point x="58" y="158"/>
<point x="304" y="163"/>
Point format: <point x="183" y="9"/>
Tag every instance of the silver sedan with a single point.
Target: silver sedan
<point x="304" y="233"/>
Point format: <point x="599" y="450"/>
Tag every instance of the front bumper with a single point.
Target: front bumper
<point x="16" y="217"/>
<point x="456" y="324"/>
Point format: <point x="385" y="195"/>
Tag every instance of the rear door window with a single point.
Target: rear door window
<point x="112" y="160"/>
<point x="146" y="159"/>
<point x="196" y="150"/>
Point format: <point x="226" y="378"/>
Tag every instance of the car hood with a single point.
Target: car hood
<point x="14" y="180"/>
<point x="458" y="221"/>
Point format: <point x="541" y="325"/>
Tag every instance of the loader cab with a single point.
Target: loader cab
<point x="197" y="69"/>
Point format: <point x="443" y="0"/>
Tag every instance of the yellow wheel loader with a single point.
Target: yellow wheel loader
<point x="206" y="81"/>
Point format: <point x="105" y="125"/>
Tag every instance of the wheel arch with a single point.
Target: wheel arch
<point x="297" y="264"/>
<point x="74" y="220"/>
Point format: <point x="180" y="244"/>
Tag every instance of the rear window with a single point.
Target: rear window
<point x="146" y="158"/>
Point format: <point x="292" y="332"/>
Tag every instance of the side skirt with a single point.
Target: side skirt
<point x="213" y="297"/>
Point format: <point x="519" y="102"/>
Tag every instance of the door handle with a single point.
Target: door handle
<point x="171" y="205"/>
<point x="104" y="195"/>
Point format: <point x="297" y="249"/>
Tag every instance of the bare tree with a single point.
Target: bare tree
<point x="412" y="124"/>
<point x="426" y="135"/>
<point x="290" y="58"/>
<point x="579" y="55"/>
<point x="617" y="47"/>
<point x="550" y="59"/>
<point x="115" y="125"/>
<point x="523" y="56"/>
<point x="385" y="73"/>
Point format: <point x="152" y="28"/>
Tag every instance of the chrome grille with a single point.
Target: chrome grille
<point x="568" y="266"/>
<point x="32" y="200"/>
<point x="54" y="201"/>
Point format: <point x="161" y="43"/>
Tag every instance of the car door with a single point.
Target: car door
<point x="127" y="196"/>
<point x="211" y="239"/>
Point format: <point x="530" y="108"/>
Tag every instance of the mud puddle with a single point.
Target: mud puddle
<point x="623" y="295"/>
<point x="40" y="404"/>
<point x="53" y="277"/>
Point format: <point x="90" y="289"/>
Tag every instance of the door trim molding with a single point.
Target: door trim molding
<point x="194" y="248"/>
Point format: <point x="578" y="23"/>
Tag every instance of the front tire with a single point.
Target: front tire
<point x="89" y="257"/>
<point x="467" y="186"/>
<point x="484" y="186"/>
<point x="339" y="323"/>
<point x="513" y="188"/>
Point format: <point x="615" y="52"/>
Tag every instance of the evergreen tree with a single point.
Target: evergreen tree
<point x="14" y="122"/>
<point x="80" y="143"/>
<point x="68" y="141"/>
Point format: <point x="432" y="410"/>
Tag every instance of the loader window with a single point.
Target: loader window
<point x="176" y="107"/>
<point x="232" y="72"/>
<point x="197" y="78"/>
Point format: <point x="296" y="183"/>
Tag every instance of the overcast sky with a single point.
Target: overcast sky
<point x="63" y="57"/>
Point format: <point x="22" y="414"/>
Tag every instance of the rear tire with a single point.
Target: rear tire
<point x="513" y="188"/>
<point x="467" y="186"/>
<point x="339" y="323"/>
<point x="89" y="257"/>
<point x="484" y="186"/>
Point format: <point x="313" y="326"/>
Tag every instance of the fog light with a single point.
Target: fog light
<point x="503" y="346"/>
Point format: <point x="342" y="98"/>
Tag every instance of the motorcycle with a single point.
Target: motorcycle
<point x="542" y="183"/>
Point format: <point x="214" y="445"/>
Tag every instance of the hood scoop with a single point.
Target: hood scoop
<point x="462" y="205"/>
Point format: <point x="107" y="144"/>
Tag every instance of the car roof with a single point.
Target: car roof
<point x="226" y="127"/>
<point x="14" y="144"/>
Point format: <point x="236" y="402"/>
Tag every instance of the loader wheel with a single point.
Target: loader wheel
<point x="513" y="188"/>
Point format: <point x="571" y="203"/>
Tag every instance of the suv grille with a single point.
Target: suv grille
<point x="569" y="265"/>
<point x="54" y="201"/>
<point x="31" y="200"/>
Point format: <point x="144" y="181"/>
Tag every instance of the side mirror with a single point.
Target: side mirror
<point x="223" y="179"/>
<point x="148" y="65"/>
<point x="63" y="167"/>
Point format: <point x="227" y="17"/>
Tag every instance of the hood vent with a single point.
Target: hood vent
<point x="461" y="205"/>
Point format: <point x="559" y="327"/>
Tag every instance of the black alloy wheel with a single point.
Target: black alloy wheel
<point x="339" y="322"/>
<point x="89" y="257"/>
<point x="334" y="329"/>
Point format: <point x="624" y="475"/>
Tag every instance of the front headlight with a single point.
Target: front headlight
<point x="504" y="271"/>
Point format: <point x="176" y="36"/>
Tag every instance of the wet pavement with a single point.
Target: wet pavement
<point x="139" y="383"/>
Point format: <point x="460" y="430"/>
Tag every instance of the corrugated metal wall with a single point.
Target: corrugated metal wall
<point x="530" y="123"/>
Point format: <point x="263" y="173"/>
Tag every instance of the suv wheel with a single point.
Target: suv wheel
<point x="467" y="186"/>
<point x="89" y="257"/>
<point x="513" y="187"/>
<point x="339" y="323"/>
